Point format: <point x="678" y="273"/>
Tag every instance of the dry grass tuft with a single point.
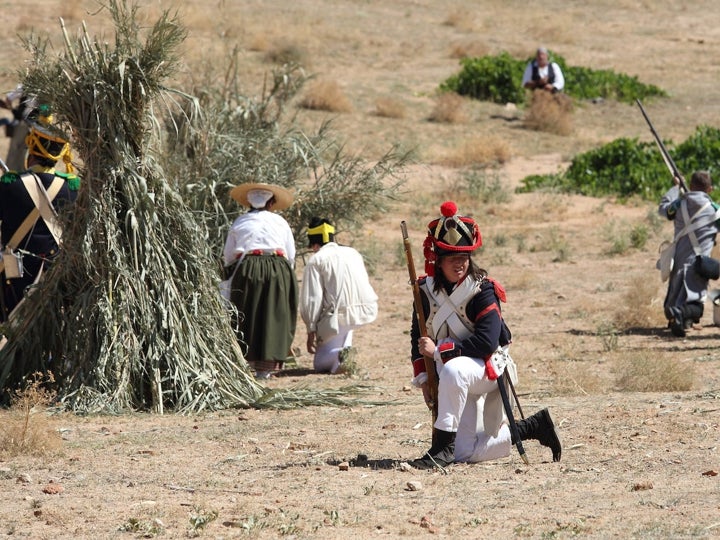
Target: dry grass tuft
<point x="388" y="107"/>
<point x="579" y="380"/>
<point x="478" y="151"/>
<point x="286" y="52"/>
<point x="650" y="373"/>
<point x="550" y="112"/>
<point x="469" y="49"/>
<point x="326" y="95"/>
<point x="25" y="430"/>
<point x="450" y="109"/>
<point x="641" y="306"/>
<point x="462" y="19"/>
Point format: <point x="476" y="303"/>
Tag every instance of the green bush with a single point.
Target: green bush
<point x="489" y="78"/>
<point x="627" y="167"/>
<point x="499" y="79"/>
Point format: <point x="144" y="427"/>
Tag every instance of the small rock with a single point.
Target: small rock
<point x="405" y="466"/>
<point x="23" y="479"/>
<point x="344" y="466"/>
<point x="642" y="486"/>
<point x="53" y="489"/>
<point x="414" y="485"/>
<point x="710" y="473"/>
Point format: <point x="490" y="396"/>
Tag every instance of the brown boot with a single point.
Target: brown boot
<point x="540" y="427"/>
<point x="441" y="453"/>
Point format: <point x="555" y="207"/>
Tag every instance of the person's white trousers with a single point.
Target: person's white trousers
<point x="462" y="389"/>
<point x="327" y="354"/>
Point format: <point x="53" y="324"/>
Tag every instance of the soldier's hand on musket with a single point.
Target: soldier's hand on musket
<point x="426" y="346"/>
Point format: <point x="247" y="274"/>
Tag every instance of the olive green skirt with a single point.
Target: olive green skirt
<point x="265" y="292"/>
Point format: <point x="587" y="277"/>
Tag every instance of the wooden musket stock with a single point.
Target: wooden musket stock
<point x="432" y="381"/>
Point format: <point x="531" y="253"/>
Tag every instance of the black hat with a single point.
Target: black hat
<point x="450" y="233"/>
<point x="320" y="231"/>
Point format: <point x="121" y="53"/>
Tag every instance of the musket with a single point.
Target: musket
<point x="511" y="417"/>
<point x="432" y="381"/>
<point x="663" y="151"/>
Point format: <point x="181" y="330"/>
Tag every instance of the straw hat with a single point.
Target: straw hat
<point x="283" y="197"/>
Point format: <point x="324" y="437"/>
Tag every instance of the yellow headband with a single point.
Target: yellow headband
<point x="325" y="229"/>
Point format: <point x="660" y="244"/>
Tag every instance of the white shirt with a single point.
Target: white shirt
<point x="336" y="275"/>
<point x="259" y="229"/>
<point x="543" y="72"/>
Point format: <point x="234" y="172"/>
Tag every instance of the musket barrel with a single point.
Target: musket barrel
<point x="432" y="381"/>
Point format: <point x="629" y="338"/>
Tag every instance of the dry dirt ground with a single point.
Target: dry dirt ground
<point x="639" y="458"/>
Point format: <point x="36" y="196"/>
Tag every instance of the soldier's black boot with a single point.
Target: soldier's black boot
<point x="441" y="453"/>
<point x="540" y="427"/>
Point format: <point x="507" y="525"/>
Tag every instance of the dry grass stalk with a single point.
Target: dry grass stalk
<point x="550" y="112"/>
<point x="641" y="306"/>
<point x="285" y="52"/>
<point x="25" y="429"/>
<point x="581" y="380"/>
<point x="647" y="372"/>
<point x="388" y="107"/>
<point x="477" y="151"/>
<point x="326" y="95"/>
<point x="450" y="108"/>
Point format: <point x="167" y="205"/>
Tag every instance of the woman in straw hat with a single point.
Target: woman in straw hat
<point x="468" y="340"/>
<point x="260" y="254"/>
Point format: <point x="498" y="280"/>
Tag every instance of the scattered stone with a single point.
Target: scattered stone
<point x="53" y="489"/>
<point x="642" y="486"/>
<point x="414" y="485"/>
<point x="23" y="479"/>
<point x="344" y="466"/>
<point x="710" y="473"/>
<point x="405" y="466"/>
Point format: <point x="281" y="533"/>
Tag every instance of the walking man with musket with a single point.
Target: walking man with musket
<point x="468" y="342"/>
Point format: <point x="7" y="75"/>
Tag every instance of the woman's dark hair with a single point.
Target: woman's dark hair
<point x="441" y="282"/>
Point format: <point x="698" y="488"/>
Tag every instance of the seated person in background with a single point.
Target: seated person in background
<point x="542" y="74"/>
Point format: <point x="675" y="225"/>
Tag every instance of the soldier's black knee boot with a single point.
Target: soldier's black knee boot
<point x="441" y="453"/>
<point x="540" y="427"/>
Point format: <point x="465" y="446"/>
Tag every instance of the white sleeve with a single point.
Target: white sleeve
<point x="290" y="246"/>
<point x="229" y="252"/>
<point x="559" y="78"/>
<point x="311" y="296"/>
<point x="527" y="75"/>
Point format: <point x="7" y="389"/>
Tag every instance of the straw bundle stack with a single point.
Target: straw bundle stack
<point x="129" y="315"/>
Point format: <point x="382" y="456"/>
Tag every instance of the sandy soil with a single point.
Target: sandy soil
<point x="636" y="463"/>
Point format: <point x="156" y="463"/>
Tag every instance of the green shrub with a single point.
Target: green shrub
<point x="489" y="78"/>
<point x="627" y="167"/>
<point x="499" y="79"/>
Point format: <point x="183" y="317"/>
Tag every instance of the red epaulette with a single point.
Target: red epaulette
<point x="499" y="290"/>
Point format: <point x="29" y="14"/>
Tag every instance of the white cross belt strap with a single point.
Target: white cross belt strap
<point x="42" y="200"/>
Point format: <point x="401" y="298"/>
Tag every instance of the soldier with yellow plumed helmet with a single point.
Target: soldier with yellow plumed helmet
<point x="30" y="200"/>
